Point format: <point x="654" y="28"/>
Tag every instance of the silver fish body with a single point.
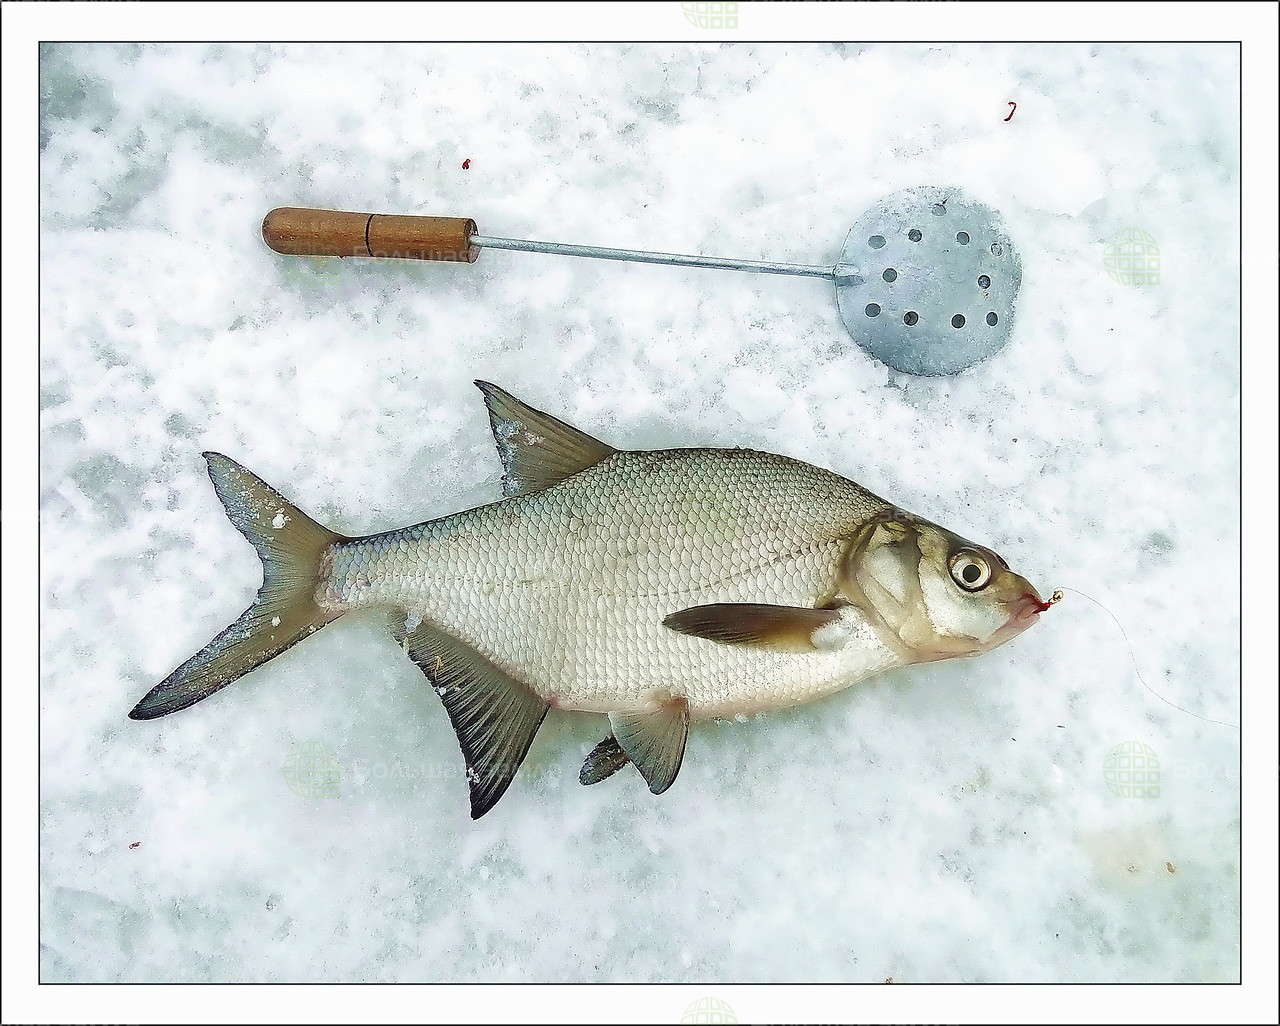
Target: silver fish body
<point x="567" y="588"/>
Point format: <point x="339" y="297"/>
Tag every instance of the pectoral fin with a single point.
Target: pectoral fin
<point x="604" y="760"/>
<point x="784" y="628"/>
<point x="654" y="741"/>
<point x="495" y="715"/>
<point x="537" y="450"/>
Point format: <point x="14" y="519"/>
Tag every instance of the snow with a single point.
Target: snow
<point x="943" y="823"/>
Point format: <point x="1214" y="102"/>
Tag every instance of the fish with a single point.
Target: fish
<point x="658" y="588"/>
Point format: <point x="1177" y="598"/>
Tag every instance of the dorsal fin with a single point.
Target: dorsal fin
<point x="537" y="450"/>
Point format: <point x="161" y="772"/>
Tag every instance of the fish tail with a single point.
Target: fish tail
<point x="294" y="552"/>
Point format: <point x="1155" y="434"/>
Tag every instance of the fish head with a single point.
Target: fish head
<point x="940" y="595"/>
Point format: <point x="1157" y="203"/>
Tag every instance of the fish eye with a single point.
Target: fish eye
<point x="970" y="570"/>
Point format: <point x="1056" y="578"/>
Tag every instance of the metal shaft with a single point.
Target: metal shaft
<point x="647" y="257"/>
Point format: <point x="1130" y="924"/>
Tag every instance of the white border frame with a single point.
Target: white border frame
<point x="24" y="25"/>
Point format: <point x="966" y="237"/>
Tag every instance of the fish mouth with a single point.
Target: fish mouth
<point x="1027" y="609"/>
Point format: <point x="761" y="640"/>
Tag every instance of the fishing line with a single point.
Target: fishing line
<point x="1133" y="659"/>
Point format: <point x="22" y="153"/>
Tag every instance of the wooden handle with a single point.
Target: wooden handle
<point x="301" y="231"/>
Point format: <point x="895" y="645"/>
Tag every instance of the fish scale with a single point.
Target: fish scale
<point x="566" y="589"/>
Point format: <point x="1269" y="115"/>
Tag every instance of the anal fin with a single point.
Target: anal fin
<point x="654" y="740"/>
<point x="494" y="715"/>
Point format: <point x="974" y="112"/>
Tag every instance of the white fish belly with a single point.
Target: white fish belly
<point x="566" y="589"/>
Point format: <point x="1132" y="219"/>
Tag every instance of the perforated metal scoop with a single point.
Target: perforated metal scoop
<point x="926" y="282"/>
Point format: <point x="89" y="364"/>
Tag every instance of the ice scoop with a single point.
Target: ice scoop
<point x="927" y="280"/>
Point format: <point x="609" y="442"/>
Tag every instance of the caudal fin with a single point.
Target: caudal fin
<point x="291" y="546"/>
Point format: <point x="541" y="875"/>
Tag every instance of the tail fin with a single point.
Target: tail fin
<point x="291" y="546"/>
